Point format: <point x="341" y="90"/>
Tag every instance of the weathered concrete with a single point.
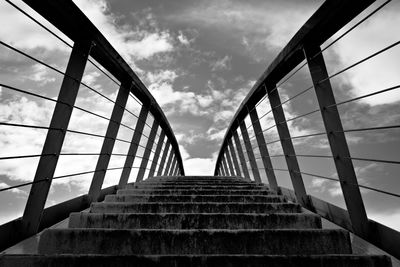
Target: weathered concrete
<point x="184" y="242"/>
<point x="194" y="198"/>
<point x="150" y="191"/>
<point x="199" y="207"/>
<point x="194" y="261"/>
<point x="194" y="221"/>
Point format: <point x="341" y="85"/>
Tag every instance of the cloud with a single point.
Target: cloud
<point x="322" y="186"/>
<point x="258" y="26"/>
<point x="14" y="190"/>
<point x="25" y="33"/>
<point x="221" y="64"/>
<point x="391" y="219"/>
<point x="183" y="39"/>
<point x="375" y="74"/>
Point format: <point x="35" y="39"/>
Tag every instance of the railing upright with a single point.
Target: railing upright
<point x="337" y="140"/>
<point x="241" y="155"/>
<point x="163" y="158"/>
<point x="147" y="151"/>
<point x="250" y="153"/>
<point x="269" y="171"/>
<point x="234" y="158"/>
<point x="169" y="162"/>
<point x="229" y="160"/>
<point x="157" y="154"/>
<point x="287" y="145"/>
<point x="133" y="147"/>
<point x="109" y="141"/>
<point x="55" y="137"/>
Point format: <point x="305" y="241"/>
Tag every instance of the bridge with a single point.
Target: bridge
<point x="154" y="215"/>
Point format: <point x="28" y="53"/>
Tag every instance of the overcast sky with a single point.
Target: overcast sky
<point x="199" y="59"/>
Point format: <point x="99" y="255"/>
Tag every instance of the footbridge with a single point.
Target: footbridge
<point x="154" y="215"/>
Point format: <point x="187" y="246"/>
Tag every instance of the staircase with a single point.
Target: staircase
<point x="194" y="221"/>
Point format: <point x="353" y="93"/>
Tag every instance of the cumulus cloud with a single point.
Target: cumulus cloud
<point x="259" y="27"/>
<point x="221" y="64"/>
<point x="14" y="190"/>
<point x="375" y="74"/>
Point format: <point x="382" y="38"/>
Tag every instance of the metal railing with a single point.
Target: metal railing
<point x="87" y="42"/>
<point x="303" y="50"/>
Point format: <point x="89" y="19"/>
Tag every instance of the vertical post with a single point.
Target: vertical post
<point x="229" y="159"/>
<point x="55" y="138"/>
<point x="337" y="141"/>
<point x="241" y="156"/>
<point x="164" y="156"/>
<point x="234" y="158"/>
<point x="223" y="171"/>
<point x="147" y="151"/>
<point x="171" y="154"/>
<point x="171" y="171"/>
<point x="255" y="121"/>
<point x="287" y="146"/>
<point x="250" y="153"/>
<point x="225" y="165"/>
<point x="157" y="154"/>
<point x="109" y="141"/>
<point x="137" y="134"/>
<point x="176" y="169"/>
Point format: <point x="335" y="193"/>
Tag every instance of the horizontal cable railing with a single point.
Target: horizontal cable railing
<point x="307" y="49"/>
<point x="146" y="129"/>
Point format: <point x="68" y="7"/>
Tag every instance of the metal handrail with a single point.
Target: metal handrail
<point x="331" y="17"/>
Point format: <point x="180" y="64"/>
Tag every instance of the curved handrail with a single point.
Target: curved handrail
<point x="88" y="41"/>
<point x="332" y="16"/>
<point x="70" y="20"/>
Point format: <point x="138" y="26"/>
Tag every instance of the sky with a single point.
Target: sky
<point x="199" y="59"/>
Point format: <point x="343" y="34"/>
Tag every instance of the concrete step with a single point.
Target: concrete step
<point x="198" y="178"/>
<point x="194" y="221"/>
<point x="168" y="187"/>
<point x="194" y="261"/>
<point x="184" y="242"/>
<point x="194" y="198"/>
<point x="197" y="183"/>
<point x="194" y="207"/>
<point x="193" y="192"/>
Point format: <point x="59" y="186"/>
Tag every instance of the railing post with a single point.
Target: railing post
<point x="171" y="154"/>
<point x="225" y="165"/>
<point x="241" y="155"/>
<point x="255" y="121"/>
<point x="147" y="151"/>
<point x="234" y="158"/>
<point x="109" y="141"/>
<point x="55" y="138"/>
<point x="229" y="160"/>
<point x="250" y="153"/>
<point x="223" y="170"/>
<point x="163" y="158"/>
<point x="157" y="154"/>
<point x="176" y="169"/>
<point x="171" y="171"/>
<point x="287" y="146"/>
<point x="137" y="134"/>
<point x="337" y="141"/>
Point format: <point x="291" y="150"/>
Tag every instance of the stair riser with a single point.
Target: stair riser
<point x="193" y="198"/>
<point x="199" y="182"/>
<point x="168" y="187"/>
<point x="125" y="242"/>
<point x="194" y="208"/>
<point x="194" y="261"/>
<point x="194" y="221"/>
<point x="193" y="192"/>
